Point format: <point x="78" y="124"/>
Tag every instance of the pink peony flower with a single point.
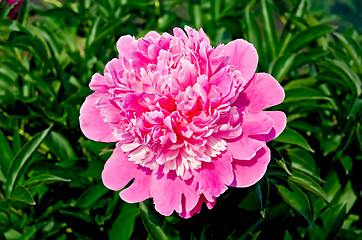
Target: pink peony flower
<point x="187" y="119"/>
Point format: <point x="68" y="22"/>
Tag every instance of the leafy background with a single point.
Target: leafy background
<point x="50" y="173"/>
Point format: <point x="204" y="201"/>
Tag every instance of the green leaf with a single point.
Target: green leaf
<point x="333" y="186"/>
<point x="152" y="223"/>
<point x="196" y="13"/>
<point x="22" y="194"/>
<point x="60" y="146"/>
<point x="269" y="27"/>
<point x="359" y="134"/>
<point x="279" y="159"/>
<point x="250" y="202"/>
<point x="300" y="83"/>
<point x="305" y="37"/>
<point x="6" y="154"/>
<point x="122" y="227"/>
<point x="4" y="220"/>
<point x="291" y="136"/>
<point x="356" y="106"/>
<point x="348" y="197"/>
<point x="44" y="179"/>
<point x="93" y="32"/>
<point x="308" y="57"/>
<point x="288" y="30"/>
<point x="297" y="199"/>
<point x="252" y="30"/>
<point x="12" y="234"/>
<point x="303" y="162"/>
<point x="261" y="190"/>
<point x="303" y="94"/>
<point x="332" y="220"/>
<point x="91" y="196"/>
<point x="309" y="184"/>
<point x="349" y="77"/>
<point x="352" y="52"/>
<point x="107" y="31"/>
<point x="22" y="158"/>
<point x="282" y="66"/>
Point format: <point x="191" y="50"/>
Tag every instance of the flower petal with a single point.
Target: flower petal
<point x="280" y="121"/>
<point x="243" y="147"/>
<point x="257" y="123"/>
<point x="197" y="208"/>
<point x="167" y="192"/>
<point x="243" y="56"/>
<point x="213" y="177"/>
<point x="261" y="92"/>
<point x="98" y="83"/>
<point x="251" y="171"/>
<point x="125" y="45"/>
<point x="91" y="121"/>
<point x="117" y="173"/>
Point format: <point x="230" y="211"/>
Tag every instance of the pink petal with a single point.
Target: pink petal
<point x="280" y="121"/>
<point x="243" y="56"/>
<point x="257" y="123"/>
<point x="251" y="171"/>
<point x="197" y="208"/>
<point x="167" y="193"/>
<point x="91" y="121"/>
<point x="214" y="176"/>
<point x="98" y="83"/>
<point x="243" y="147"/>
<point x="125" y="45"/>
<point x="261" y="92"/>
<point x="117" y="173"/>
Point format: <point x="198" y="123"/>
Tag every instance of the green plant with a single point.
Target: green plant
<point x="51" y="174"/>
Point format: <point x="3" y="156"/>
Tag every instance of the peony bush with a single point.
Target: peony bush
<point x="180" y="121"/>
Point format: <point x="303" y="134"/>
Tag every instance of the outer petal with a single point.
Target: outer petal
<point x="261" y="92"/>
<point x="125" y="45"/>
<point x="213" y="177"/>
<point x="243" y="56"/>
<point x="168" y="191"/>
<point x="249" y="172"/>
<point x="91" y="121"/>
<point x="98" y="83"/>
<point x="243" y="147"/>
<point x="197" y="208"/>
<point x="118" y="171"/>
<point x="280" y="121"/>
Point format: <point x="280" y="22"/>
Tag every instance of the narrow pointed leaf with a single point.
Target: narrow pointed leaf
<point x="22" y="194"/>
<point x="282" y="66"/>
<point x="287" y="33"/>
<point x="44" y="179"/>
<point x="353" y="53"/>
<point x="150" y="221"/>
<point x="269" y="26"/>
<point x="297" y="199"/>
<point x="293" y="137"/>
<point x="346" y="73"/>
<point x="303" y="94"/>
<point x="309" y="184"/>
<point x="6" y="154"/>
<point x="22" y="158"/>
<point x="123" y="226"/>
<point x="307" y="36"/>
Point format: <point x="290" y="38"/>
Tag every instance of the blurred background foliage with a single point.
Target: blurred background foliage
<point x="51" y="174"/>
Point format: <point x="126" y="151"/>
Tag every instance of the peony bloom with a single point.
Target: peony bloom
<point x="187" y="119"/>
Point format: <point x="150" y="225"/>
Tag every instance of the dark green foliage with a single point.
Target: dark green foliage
<point x="50" y="173"/>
